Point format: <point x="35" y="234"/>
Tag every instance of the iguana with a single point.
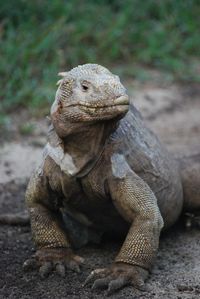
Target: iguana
<point x="104" y="172"/>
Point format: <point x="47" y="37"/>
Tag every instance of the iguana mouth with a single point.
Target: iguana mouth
<point x="118" y="105"/>
<point x="119" y="101"/>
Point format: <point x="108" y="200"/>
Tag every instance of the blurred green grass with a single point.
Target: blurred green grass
<point x="39" y="38"/>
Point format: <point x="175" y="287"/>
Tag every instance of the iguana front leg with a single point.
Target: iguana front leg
<point x="138" y="205"/>
<point x="53" y="247"/>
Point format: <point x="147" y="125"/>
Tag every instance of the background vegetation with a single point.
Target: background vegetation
<point x="39" y="38"/>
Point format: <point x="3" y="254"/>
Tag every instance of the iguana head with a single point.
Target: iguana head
<point x="86" y="94"/>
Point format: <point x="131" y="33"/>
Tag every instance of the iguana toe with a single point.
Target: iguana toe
<point x="192" y="220"/>
<point x="117" y="276"/>
<point x="45" y="269"/>
<point x="54" y="259"/>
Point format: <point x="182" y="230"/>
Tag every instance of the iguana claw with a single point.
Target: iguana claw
<point x="116" y="277"/>
<point x="58" y="259"/>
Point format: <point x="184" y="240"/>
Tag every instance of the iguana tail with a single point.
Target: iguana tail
<point x="190" y="175"/>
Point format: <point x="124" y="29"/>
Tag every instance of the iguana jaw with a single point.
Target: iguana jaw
<point x="89" y="112"/>
<point x="113" y="108"/>
<point x="120" y="100"/>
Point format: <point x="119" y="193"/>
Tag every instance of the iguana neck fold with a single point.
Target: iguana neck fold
<point x="79" y="152"/>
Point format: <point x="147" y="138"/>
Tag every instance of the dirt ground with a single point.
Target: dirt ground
<point x="173" y="112"/>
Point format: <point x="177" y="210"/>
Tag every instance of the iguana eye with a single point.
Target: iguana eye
<point x="84" y="87"/>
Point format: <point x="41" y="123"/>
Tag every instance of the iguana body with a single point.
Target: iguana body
<point x="105" y="169"/>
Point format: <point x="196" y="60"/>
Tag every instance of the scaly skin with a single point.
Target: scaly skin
<point x="103" y="168"/>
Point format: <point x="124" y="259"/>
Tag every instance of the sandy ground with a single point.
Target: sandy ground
<point x="173" y="112"/>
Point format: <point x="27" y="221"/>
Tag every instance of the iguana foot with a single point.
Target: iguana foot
<point x="50" y="259"/>
<point x="117" y="276"/>
<point x="192" y="220"/>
